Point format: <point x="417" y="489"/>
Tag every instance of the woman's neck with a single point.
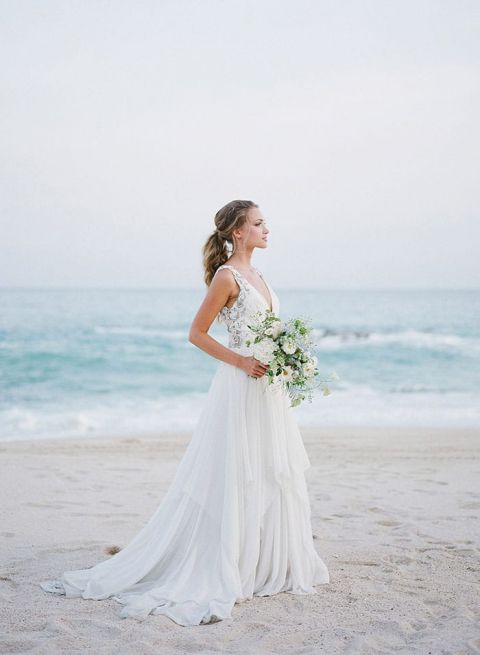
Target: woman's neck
<point x="242" y="261"/>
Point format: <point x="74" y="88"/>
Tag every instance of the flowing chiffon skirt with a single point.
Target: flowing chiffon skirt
<point x="234" y="523"/>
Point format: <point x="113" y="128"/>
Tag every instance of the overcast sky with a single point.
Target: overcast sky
<point x="354" y="125"/>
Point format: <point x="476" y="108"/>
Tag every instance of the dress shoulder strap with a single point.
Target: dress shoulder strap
<point x="236" y="274"/>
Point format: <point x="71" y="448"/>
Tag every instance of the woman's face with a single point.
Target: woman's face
<point x="253" y="232"/>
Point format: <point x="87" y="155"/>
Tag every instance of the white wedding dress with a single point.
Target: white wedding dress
<point x="236" y="520"/>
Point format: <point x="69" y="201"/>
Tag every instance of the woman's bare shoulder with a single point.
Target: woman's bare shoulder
<point x="224" y="272"/>
<point x="223" y="277"/>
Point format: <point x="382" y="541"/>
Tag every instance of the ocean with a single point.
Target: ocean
<point x="118" y="361"/>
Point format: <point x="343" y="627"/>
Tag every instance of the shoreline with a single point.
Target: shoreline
<point x="177" y="436"/>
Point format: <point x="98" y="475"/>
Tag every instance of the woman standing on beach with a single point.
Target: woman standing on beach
<point x="235" y="521"/>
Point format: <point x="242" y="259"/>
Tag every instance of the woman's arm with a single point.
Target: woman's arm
<point x="221" y="288"/>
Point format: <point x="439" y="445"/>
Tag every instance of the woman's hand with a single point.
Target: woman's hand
<point x="252" y="366"/>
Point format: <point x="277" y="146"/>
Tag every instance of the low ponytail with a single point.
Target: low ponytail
<point x="221" y="243"/>
<point x="214" y="255"/>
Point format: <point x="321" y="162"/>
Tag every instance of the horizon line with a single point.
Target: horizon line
<point x="154" y="288"/>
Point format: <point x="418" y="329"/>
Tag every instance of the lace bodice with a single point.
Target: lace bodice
<point x="248" y="303"/>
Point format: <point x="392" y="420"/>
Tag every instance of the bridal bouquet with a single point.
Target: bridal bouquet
<point x="287" y="348"/>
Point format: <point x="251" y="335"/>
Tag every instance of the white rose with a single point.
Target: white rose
<point x="264" y="351"/>
<point x="277" y="328"/>
<point x="289" y="346"/>
<point x="287" y="373"/>
<point x="308" y="369"/>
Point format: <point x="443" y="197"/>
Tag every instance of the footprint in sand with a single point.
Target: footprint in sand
<point x="470" y="505"/>
<point x="358" y="562"/>
<point x="72" y="502"/>
<point x="399" y="559"/>
<point x="71" y="478"/>
<point x="4" y="579"/>
<point x="44" y="505"/>
<point x="424" y="550"/>
<point x="323" y="496"/>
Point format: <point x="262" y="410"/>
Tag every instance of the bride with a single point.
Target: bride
<point x="235" y="521"/>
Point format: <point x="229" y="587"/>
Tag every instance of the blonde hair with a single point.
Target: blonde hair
<point x="230" y="217"/>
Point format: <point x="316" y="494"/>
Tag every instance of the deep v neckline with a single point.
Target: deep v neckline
<point x="255" y="288"/>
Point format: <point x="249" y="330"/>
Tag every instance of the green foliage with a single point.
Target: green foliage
<point x="287" y="348"/>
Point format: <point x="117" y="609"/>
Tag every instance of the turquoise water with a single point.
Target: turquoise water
<point x="103" y="361"/>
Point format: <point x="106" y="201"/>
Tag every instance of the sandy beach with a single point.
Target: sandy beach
<point x="395" y="515"/>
